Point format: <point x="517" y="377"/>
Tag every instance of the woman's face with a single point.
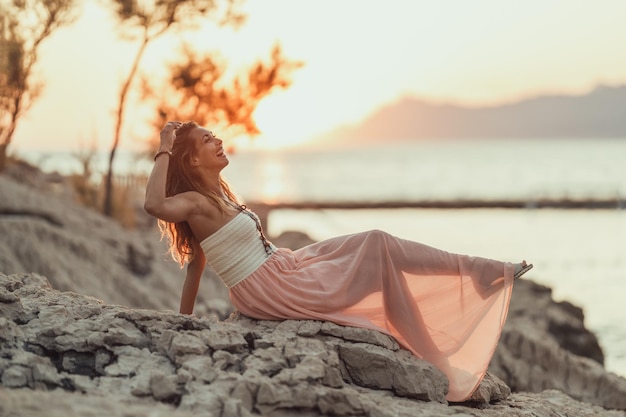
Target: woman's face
<point x="209" y="151"/>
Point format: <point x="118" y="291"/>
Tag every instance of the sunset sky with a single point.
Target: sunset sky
<point x="358" y="56"/>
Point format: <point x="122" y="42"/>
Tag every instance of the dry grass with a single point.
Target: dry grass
<point x="127" y="196"/>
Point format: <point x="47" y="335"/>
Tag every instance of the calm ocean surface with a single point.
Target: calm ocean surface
<point x="581" y="254"/>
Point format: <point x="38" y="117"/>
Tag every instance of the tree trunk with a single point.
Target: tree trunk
<point x="108" y="185"/>
<point x="3" y="156"/>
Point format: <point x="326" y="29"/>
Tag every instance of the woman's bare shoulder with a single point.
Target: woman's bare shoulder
<point x="209" y="218"/>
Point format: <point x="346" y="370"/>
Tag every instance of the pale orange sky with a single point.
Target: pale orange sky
<point x="359" y="55"/>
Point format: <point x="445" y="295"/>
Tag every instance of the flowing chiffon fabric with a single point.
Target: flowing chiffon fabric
<point x="446" y="308"/>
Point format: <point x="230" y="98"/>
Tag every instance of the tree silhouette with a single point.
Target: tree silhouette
<point x="145" y="21"/>
<point x="195" y="90"/>
<point x="24" y="25"/>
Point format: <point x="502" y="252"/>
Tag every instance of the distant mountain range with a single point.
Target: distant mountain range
<point x="601" y="113"/>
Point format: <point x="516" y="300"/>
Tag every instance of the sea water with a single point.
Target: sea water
<point x="580" y="254"/>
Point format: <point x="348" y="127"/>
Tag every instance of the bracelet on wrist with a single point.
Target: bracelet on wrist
<point x="169" y="153"/>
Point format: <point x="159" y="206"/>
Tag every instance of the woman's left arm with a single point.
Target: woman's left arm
<point x="195" y="268"/>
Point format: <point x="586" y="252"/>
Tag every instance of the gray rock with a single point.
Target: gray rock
<point x="531" y="358"/>
<point x="379" y="368"/>
<point x="150" y="363"/>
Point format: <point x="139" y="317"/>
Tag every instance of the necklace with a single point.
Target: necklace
<point x="243" y="209"/>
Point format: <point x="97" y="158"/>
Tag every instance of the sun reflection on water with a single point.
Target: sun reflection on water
<point x="272" y="180"/>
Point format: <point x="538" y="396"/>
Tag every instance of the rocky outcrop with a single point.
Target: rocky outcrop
<point x="545" y="345"/>
<point x="62" y="352"/>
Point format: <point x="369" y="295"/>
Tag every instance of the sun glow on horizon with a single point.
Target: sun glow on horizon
<point x="280" y="125"/>
<point x="264" y="142"/>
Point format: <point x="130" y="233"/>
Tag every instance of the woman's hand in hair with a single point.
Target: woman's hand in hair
<point x="168" y="134"/>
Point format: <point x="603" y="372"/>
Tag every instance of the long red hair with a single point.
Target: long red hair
<point x="181" y="177"/>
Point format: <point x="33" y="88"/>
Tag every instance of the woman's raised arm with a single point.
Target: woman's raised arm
<point x="171" y="209"/>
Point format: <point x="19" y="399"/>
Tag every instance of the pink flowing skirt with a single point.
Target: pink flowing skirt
<point x="446" y="308"/>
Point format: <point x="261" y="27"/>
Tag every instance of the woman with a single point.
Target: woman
<point x="446" y="308"/>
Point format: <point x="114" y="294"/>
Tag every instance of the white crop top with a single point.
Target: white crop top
<point x="235" y="250"/>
